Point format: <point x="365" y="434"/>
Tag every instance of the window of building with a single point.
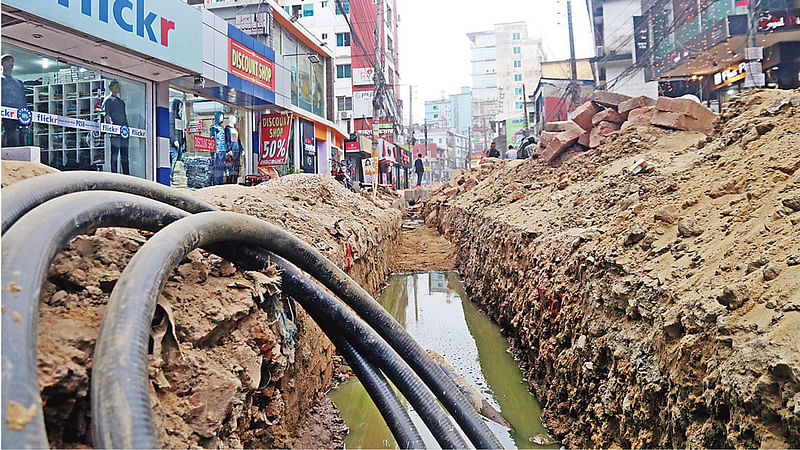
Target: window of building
<point x="342" y="7"/>
<point x="296" y="10"/>
<point x="60" y="88"/>
<point x="324" y="36"/>
<point x="516" y="36"/>
<point x="435" y="107"/>
<point x="343" y="39"/>
<point x="517" y="50"/>
<point x="389" y="46"/>
<point x="388" y="16"/>
<point x="519" y="105"/>
<point x="517" y="91"/>
<point x="517" y="77"/>
<point x="343" y="71"/>
<point x="324" y="4"/>
<point x="344" y="103"/>
<point x="517" y="63"/>
<point x="308" y="10"/>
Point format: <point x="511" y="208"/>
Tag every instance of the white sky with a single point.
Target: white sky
<point x="434" y="49"/>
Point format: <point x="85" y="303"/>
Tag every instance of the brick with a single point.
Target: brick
<point x="560" y="143"/>
<point x="556" y="126"/>
<point x="608" y="115"/>
<point x="639" y="116"/>
<point x="686" y="106"/>
<point x="602" y="129"/>
<point x="636" y="102"/>
<point x="583" y="114"/>
<point x="584" y="139"/>
<point x="608" y="99"/>
<point x="546" y="137"/>
<point x="679" y="121"/>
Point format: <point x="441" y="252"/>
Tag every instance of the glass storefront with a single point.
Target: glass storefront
<point x="210" y="138"/>
<point x="79" y="94"/>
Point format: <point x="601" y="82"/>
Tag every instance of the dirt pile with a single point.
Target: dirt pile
<point x="652" y="283"/>
<point x="233" y="363"/>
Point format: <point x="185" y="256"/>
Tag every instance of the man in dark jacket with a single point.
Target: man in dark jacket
<point x="419" y="168"/>
<point x="493" y="151"/>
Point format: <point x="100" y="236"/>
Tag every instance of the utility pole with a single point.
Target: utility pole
<point x="427" y="155"/>
<point x="754" y="73"/>
<point x="410" y="114"/>
<point x="468" y="162"/>
<point x="525" y="107"/>
<point x="573" y="84"/>
<point x="377" y="79"/>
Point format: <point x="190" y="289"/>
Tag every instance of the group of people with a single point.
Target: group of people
<point x="511" y="153"/>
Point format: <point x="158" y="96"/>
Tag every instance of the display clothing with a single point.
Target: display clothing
<point x="114" y="110"/>
<point x="177" y="138"/>
<point x="220" y="154"/>
<point x="14" y="97"/>
<point x="234" y="160"/>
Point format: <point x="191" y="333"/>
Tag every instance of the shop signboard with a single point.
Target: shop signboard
<point x="351" y="146"/>
<point x="362" y="104"/>
<point x="730" y="75"/>
<point x="166" y="30"/>
<point x="248" y="65"/>
<point x="204" y="143"/>
<point x="275" y="132"/>
<point x="25" y="117"/>
<point x="779" y="20"/>
<point x="254" y="23"/>
<point x="362" y="76"/>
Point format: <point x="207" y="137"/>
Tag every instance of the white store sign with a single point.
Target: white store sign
<point x="362" y="104"/>
<point x="28" y="117"/>
<point x="363" y="76"/>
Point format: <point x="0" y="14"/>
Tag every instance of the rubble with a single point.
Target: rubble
<point x="687" y="346"/>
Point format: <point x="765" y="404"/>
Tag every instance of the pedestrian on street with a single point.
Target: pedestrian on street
<point x="419" y="168"/>
<point x="493" y="151"/>
<point x="511" y="153"/>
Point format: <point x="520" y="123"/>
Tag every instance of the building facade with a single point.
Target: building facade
<point x="452" y="111"/>
<point x="505" y="64"/>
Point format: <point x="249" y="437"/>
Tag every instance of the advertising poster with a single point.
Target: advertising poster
<point x="204" y="143"/>
<point x="369" y="165"/>
<point x="514" y="133"/>
<point x="275" y="132"/>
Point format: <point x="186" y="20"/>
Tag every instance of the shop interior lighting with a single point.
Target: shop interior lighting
<point x="311" y="57"/>
<point x="45" y="63"/>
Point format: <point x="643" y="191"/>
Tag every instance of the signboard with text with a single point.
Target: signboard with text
<point x="275" y="132"/>
<point x="251" y="66"/>
<point x="253" y="23"/>
<point x="362" y="76"/>
<point x="204" y="143"/>
<point x="195" y="126"/>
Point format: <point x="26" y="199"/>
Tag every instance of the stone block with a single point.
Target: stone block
<point x="608" y="115"/>
<point x="560" y="143"/>
<point x="546" y="137"/>
<point x="686" y="106"/>
<point x="602" y="129"/>
<point x="31" y="154"/>
<point x="583" y="114"/>
<point x="556" y="126"/>
<point x="636" y="102"/>
<point x="639" y="116"/>
<point x="608" y="99"/>
<point x="585" y="138"/>
<point x="679" y="121"/>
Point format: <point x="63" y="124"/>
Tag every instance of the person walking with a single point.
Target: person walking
<point x="419" y="168"/>
<point x="114" y="110"/>
<point x="493" y="151"/>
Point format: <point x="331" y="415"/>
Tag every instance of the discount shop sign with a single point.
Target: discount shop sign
<point x="275" y="132"/>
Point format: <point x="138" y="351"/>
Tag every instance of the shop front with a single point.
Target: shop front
<point x="356" y="151"/>
<point x="403" y="167"/>
<point x="81" y="83"/>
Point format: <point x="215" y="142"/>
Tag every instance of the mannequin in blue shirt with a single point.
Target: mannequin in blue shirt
<point x="220" y="155"/>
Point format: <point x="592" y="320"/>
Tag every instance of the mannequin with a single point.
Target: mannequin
<point x="13" y="97"/>
<point x="220" y="155"/>
<point x="234" y="145"/>
<point x="176" y="133"/>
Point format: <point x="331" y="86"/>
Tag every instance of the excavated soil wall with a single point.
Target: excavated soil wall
<point x="233" y="363"/>
<point x="652" y="310"/>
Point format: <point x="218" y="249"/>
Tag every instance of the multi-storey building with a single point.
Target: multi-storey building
<point x="505" y="61"/>
<point x="453" y="111"/>
<point x="348" y="29"/>
<point x="615" y="24"/>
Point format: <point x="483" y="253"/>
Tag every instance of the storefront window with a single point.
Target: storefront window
<point x="209" y="138"/>
<point x="80" y="97"/>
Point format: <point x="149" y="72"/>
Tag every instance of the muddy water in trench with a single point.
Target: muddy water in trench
<point x="435" y="310"/>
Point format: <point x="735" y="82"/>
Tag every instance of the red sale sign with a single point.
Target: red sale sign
<point x="275" y="132"/>
<point x="204" y="143"/>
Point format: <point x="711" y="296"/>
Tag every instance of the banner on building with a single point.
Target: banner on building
<point x="362" y="104"/>
<point x="362" y="76"/>
<point x="25" y="117"/>
<point x="253" y="23"/>
<point x="276" y="130"/>
<point x="514" y="132"/>
<point x="205" y="143"/>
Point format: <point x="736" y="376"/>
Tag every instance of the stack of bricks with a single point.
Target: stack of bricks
<point x="607" y="112"/>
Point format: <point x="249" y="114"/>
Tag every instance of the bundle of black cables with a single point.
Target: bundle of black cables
<point x="39" y="217"/>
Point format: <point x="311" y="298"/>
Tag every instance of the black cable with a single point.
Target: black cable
<point x="316" y="264"/>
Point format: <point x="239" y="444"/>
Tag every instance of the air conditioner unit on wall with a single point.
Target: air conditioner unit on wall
<point x="345" y="115"/>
